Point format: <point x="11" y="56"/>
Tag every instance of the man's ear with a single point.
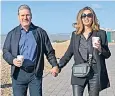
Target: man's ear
<point x="31" y="16"/>
<point x="18" y="17"/>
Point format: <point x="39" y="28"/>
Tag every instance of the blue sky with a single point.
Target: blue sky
<point x="56" y="16"/>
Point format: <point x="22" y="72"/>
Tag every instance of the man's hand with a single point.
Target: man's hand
<point x="17" y="63"/>
<point x="54" y="71"/>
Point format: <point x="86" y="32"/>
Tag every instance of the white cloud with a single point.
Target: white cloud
<point x="96" y="6"/>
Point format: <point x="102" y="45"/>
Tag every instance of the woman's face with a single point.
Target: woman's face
<point x="87" y="18"/>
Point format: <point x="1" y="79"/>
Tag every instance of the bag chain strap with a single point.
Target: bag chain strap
<point x="90" y="59"/>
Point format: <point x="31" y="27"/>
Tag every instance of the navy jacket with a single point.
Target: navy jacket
<point x="11" y="48"/>
<point x="73" y="49"/>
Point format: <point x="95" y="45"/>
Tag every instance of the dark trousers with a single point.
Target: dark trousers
<point x="93" y="87"/>
<point x="22" y="80"/>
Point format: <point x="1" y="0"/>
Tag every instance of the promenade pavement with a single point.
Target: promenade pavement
<point x="60" y="86"/>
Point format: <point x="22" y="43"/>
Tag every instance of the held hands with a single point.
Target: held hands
<point x="17" y="62"/>
<point x="54" y="71"/>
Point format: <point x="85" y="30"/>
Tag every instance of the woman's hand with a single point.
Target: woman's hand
<point x="98" y="46"/>
<point x="54" y="71"/>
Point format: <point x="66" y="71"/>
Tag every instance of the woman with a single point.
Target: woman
<point x="81" y="46"/>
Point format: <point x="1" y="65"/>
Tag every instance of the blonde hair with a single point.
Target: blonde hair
<point x="79" y="25"/>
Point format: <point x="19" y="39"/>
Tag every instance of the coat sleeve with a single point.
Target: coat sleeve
<point x="7" y="50"/>
<point x="49" y="51"/>
<point x="104" y="45"/>
<point x="68" y="54"/>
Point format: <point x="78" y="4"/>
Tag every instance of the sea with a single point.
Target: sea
<point x="52" y="37"/>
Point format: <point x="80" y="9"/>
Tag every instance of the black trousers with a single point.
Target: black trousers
<point x="22" y="80"/>
<point x="93" y="87"/>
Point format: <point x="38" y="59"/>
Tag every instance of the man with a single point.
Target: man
<point x="31" y="42"/>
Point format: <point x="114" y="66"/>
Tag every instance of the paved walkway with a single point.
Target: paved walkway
<point x="60" y="86"/>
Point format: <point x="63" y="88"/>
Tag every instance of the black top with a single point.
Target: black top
<point x="85" y="46"/>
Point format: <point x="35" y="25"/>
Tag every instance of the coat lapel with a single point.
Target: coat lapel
<point x="77" y="40"/>
<point x="35" y="35"/>
<point x="76" y="44"/>
<point x="17" y="38"/>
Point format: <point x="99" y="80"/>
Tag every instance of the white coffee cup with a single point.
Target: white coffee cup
<point x="95" y="40"/>
<point x="21" y="58"/>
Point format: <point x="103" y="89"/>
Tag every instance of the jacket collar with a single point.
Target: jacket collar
<point x="32" y="26"/>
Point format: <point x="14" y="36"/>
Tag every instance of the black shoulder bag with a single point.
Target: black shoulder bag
<point x="83" y="69"/>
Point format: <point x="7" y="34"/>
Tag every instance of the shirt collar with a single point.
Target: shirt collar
<point x="30" y="28"/>
<point x="90" y="34"/>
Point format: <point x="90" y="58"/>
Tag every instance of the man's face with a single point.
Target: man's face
<point x="25" y="17"/>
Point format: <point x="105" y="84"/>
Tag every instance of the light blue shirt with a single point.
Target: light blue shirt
<point x="27" y="47"/>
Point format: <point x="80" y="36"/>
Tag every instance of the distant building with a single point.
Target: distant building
<point x="110" y="34"/>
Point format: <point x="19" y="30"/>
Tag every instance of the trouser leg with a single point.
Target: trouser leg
<point x="93" y="86"/>
<point x="35" y="86"/>
<point x="20" y="81"/>
<point x="19" y="89"/>
<point x="78" y="90"/>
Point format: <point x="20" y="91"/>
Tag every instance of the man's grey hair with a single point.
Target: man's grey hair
<point x="21" y="7"/>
